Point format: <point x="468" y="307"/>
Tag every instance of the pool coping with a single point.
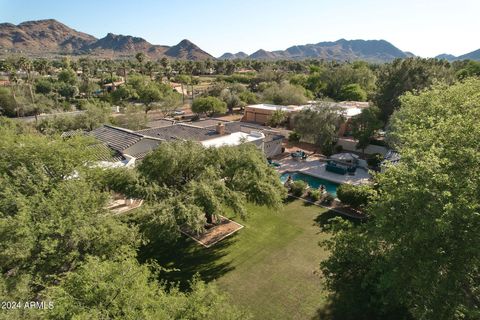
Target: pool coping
<point x="314" y="175"/>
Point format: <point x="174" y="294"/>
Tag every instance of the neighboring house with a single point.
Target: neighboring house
<point x="261" y="113"/>
<point x="273" y="141"/>
<point x="129" y="146"/>
<point x="109" y="87"/>
<point x="160" y="123"/>
<point x="210" y="136"/>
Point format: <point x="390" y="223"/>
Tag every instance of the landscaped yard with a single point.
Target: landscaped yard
<point x="270" y="266"/>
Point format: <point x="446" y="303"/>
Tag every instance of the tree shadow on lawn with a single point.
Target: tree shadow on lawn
<point x="188" y="257"/>
<point x="324" y="222"/>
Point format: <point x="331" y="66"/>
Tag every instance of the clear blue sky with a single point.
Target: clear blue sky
<point x="424" y="27"/>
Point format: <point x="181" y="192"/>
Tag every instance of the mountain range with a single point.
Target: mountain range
<point x="474" y="55"/>
<point x="52" y="38"/>
<point x="340" y="50"/>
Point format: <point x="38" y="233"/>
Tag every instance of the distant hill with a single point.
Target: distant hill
<point x="340" y="50"/>
<point x="232" y="56"/>
<point x="474" y="55"/>
<point x="446" y="56"/>
<point x="50" y="37"/>
<point x="188" y="51"/>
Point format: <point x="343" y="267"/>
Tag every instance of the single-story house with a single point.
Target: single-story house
<point x="261" y="113"/>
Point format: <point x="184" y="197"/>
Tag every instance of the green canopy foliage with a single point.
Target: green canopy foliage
<point x="318" y="124"/>
<point x="208" y="105"/>
<point x="417" y="257"/>
<point x="60" y="244"/>
<point x="408" y="75"/>
<point x="195" y="183"/>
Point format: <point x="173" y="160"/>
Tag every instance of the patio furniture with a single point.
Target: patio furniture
<point x="333" y="167"/>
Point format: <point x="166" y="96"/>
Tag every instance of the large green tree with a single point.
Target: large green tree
<point x="318" y="124"/>
<point x="408" y="75"/>
<point x="195" y="184"/>
<point x="60" y="244"/>
<point x="365" y="125"/>
<point x="417" y="257"/>
<point x="208" y="105"/>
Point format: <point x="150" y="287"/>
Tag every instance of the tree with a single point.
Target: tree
<point x="8" y="105"/>
<point x="352" y="92"/>
<point x="208" y="106"/>
<point x="417" y="256"/>
<point x="318" y="124"/>
<point x="284" y="94"/>
<point x="408" y="75"/>
<point x="96" y="114"/>
<point x="148" y="95"/>
<point x="68" y="76"/>
<point x="365" y="125"/>
<point x="43" y="86"/>
<point x="184" y="81"/>
<point x="134" y="118"/>
<point x="122" y="288"/>
<point x="354" y="196"/>
<point x="231" y="98"/>
<point x="60" y="243"/>
<point x="48" y="223"/>
<point x="202" y="183"/>
<point x="277" y="118"/>
<point x="141" y="57"/>
<point x="469" y="69"/>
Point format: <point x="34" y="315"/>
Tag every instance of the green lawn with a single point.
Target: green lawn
<point x="270" y="266"/>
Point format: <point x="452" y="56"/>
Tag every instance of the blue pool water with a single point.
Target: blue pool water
<point x="313" y="182"/>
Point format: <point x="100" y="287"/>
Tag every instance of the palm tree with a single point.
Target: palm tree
<point x="140" y="56"/>
<point x="13" y="79"/>
<point x="125" y="67"/>
<point x="26" y="65"/>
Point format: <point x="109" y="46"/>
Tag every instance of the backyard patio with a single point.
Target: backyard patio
<point x="316" y="167"/>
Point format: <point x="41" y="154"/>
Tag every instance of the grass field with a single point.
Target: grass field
<point x="270" y="266"/>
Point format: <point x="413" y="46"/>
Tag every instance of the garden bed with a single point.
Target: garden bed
<point x="211" y="236"/>
<point x="335" y="206"/>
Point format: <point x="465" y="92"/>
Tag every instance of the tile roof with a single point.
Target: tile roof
<point x="116" y="138"/>
<point x="73" y="133"/>
<point x="103" y="153"/>
<point x="206" y="123"/>
<point x="181" y="132"/>
<point x="160" y="123"/>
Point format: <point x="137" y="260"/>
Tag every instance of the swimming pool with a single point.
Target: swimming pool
<point x="313" y="182"/>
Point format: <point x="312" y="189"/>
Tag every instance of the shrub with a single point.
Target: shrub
<point x="327" y="199"/>
<point x="314" y="194"/>
<point x="294" y="137"/>
<point x="374" y="160"/>
<point x="354" y="196"/>
<point x="298" y="188"/>
<point x="278" y="117"/>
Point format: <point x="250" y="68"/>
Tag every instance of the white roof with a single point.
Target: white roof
<point x="347" y="108"/>
<point x="233" y="139"/>
<point x="274" y="107"/>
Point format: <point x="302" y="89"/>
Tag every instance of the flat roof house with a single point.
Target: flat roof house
<point x="261" y="113"/>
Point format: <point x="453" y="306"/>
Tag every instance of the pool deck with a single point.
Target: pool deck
<point x="316" y="168"/>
